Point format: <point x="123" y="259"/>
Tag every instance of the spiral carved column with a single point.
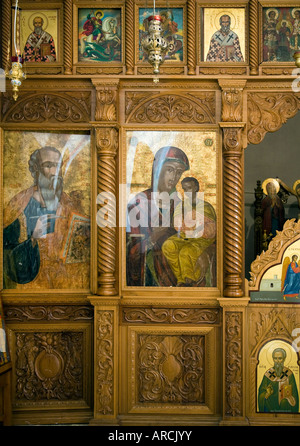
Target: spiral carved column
<point x="107" y="146"/>
<point x="68" y="30"/>
<point x="191" y="49"/>
<point x="129" y="37"/>
<point x="233" y="212"/>
<point x="253" y="37"/>
<point x="6" y="29"/>
<point x="107" y="142"/>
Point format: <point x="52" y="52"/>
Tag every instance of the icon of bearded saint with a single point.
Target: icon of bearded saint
<point x="40" y="45"/>
<point x="37" y="222"/>
<point x="224" y="44"/>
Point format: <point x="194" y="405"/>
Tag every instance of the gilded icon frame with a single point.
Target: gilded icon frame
<point x="210" y="185"/>
<point x="52" y="16"/>
<point x="80" y="225"/>
<point x="177" y="60"/>
<point x="275" y="5"/>
<point x="242" y="20"/>
<point x="91" y="66"/>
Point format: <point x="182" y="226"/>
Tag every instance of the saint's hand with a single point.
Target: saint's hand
<point x="42" y="226"/>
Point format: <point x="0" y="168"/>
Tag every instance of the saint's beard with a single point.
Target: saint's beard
<point x="225" y="29"/>
<point x="50" y="190"/>
<point x="38" y="30"/>
<point x="278" y="369"/>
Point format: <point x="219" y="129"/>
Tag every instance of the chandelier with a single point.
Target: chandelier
<point x="16" y="74"/>
<point x="154" y="44"/>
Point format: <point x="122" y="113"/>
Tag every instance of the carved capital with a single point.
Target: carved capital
<point x="106" y="99"/>
<point x="107" y="142"/>
<point x="232" y="141"/>
<point x="232" y="100"/>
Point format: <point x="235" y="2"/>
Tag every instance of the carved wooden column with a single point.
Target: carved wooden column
<point x="6" y="29"/>
<point x="191" y="45"/>
<point x="106" y="311"/>
<point x="107" y="142"/>
<point x="233" y="216"/>
<point x="234" y="361"/>
<point x="68" y="31"/>
<point x="232" y="125"/>
<point x="253" y="37"/>
<point x="129" y="37"/>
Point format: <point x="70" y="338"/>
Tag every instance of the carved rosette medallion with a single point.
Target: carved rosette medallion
<point x="171" y="369"/>
<point x="49" y="367"/>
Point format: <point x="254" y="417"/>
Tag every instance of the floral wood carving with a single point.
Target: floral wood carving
<point x="104" y="403"/>
<point x="267" y="112"/>
<point x="37" y="108"/>
<point x="106" y="99"/>
<point x="47" y="313"/>
<point x="273" y="255"/>
<point x="49" y="366"/>
<point x="273" y="324"/>
<point x="171" y="315"/>
<point x="191" y="108"/>
<point x="171" y="369"/>
<point x="233" y="364"/>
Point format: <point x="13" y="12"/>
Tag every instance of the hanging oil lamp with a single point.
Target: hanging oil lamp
<point x="16" y="74"/>
<point x="154" y="44"/>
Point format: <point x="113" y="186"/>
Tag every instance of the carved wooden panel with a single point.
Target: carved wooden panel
<point x="194" y="108"/>
<point x="171" y="315"/>
<point x="233" y="364"/>
<point x="172" y="367"/>
<point x="72" y="107"/>
<point x="23" y="313"/>
<point x="51" y="365"/>
<point x="267" y="112"/>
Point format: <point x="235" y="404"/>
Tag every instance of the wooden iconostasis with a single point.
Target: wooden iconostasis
<point x="118" y="309"/>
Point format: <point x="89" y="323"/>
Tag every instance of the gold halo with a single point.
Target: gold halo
<point x="272" y="9"/>
<point x="270" y="180"/>
<point x="279" y="344"/>
<point x="296" y="184"/>
<point x="101" y="12"/>
<point x="224" y="12"/>
<point x="293" y="12"/>
<point x="38" y="14"/>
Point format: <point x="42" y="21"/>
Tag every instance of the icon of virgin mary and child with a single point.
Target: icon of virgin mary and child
<point x="170" y="242"/>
